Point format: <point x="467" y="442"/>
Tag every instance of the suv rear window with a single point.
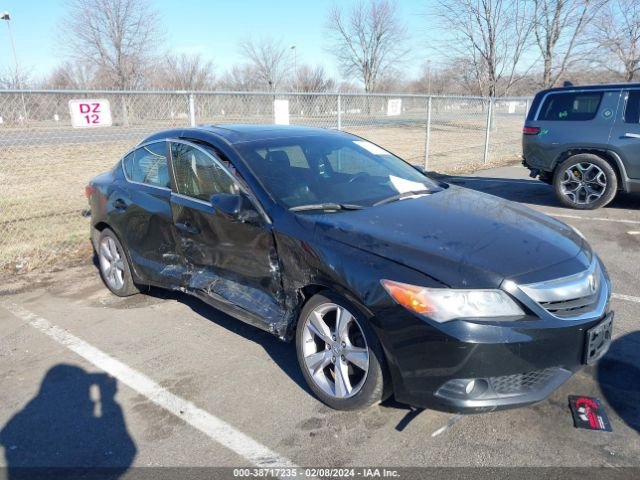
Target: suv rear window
<point x="570" y="106"/>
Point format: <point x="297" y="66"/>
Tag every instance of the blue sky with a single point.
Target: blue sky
<point x="212" y="28"/>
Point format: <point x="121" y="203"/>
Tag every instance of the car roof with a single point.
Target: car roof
<point x="603" y="86"/>
<point x="241" y="133"/>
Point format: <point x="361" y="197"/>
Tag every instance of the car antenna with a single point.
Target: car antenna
<point x="567" y="83"/>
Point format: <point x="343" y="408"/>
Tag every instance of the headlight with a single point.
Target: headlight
<point x="444" y="304"/>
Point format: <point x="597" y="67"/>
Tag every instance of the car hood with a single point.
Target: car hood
<point x="462" y="238"/>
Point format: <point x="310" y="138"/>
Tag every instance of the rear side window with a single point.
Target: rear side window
<point x="570" y="107"/>
<point x="632" y="110"/>
<point x="197" y="174"/>
<point x="148" y="165"/>
<point x="127" y="163"/>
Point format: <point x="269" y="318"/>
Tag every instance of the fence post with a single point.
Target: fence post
<point x="339" y="112"/>
<point x="125" y="113"/>
<point x="526" y="108"/>
<point x="487" y="137"/>
<point x="192" y="110"/>
<point x="428" y="133"/>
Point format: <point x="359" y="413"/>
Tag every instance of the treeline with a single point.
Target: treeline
<point x="486" y="47"/>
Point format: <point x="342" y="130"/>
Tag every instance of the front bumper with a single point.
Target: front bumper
<point x="511" y="364"/>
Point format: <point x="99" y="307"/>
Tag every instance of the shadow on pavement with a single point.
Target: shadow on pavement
<point x="529" y="191"/>
<point x="619" y="378"/>
<point x="72" y="427"/>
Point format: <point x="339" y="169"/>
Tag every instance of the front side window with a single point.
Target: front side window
<point x="572" y="106"/>
<point x="632" y="110"/>
<point x="197" y="174"/>
<point x="148" y="165"/>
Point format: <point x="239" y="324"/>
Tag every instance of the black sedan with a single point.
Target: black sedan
<point x="389" y="281"/>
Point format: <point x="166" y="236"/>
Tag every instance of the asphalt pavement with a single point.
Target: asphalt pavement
<point x="161" y="379"/>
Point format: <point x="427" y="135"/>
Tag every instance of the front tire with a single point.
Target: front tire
<point x="114" y="266"/>
<point x="585" y="182"/>
<point x="339" y="354"/>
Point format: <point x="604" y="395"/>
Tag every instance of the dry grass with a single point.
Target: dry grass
<point x="42" y="186"/>
<point x="42" y="199"/>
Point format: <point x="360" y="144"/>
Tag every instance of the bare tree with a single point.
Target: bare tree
<point x="241" y="78"/>
<point x="268" y="61"/>
<point x="369" y="43"/>
<point x="13" y="79"/>
<point x="491" y="35"/>
<point x="72" y="75"/>
<point x="313" y="79"/>
<point x="119" y="37"/>
<point x="616" y="31"/>
<point x="559" y="26"/>
<point x="186" y="72"/>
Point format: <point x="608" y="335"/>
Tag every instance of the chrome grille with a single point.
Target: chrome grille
<point x="573" y="296"/>
<point x="572" y="307"/>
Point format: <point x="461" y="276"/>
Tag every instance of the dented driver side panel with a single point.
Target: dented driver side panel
<point x="230" y="264"/>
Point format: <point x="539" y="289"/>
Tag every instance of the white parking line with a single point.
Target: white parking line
<point x="496" y="180"/>
<point x="450" y="423"/>
<point x="628" y="298"/>
<point x="600" y="219"/>
<point x="215" y="428"/>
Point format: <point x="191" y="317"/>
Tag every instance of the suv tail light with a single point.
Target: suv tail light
<point x="530" y="130"/>
<point x="88" y="191"/>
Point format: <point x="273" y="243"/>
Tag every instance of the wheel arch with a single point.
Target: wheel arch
<point x="304" y="293"/>
<point x="97" y="229"/>
<point x="608" y="156"/>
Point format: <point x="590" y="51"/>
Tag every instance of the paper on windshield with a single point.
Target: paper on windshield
<point x="370" y="147"/>
<point x="404" y="186"/>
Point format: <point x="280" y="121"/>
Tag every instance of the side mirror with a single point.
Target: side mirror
<point x="234" y="206"/>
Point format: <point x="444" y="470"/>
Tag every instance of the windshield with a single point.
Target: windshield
<point x="332" y="169"/>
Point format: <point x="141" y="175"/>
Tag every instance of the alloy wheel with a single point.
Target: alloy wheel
<point x="111" y="263"/>
<point x="583" y="183"/>
<point x="335" y="350"/>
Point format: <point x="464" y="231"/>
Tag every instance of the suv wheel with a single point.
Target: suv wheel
<point x="339" y="354"/>
<point x="114" y="266"/>
<point x="585" y="182"/>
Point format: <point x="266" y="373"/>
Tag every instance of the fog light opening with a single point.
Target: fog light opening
<point x="470" y="386"/>
<point x="475" y="388"/>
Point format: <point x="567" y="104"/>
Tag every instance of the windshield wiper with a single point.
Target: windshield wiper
<point x="402" y="195"/>
<point x="326" y="206"/>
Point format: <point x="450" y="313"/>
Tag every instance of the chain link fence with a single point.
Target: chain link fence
<point x="45" y="162"/>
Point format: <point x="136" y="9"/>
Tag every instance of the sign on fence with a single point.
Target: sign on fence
<point x="281" y="112"/>
<point x="90" y="113"/>
<point x="394" y="107"/>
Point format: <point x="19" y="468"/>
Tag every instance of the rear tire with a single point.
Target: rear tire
<point x="585" y="182"/>
<point x="115" y="270"/>
<point x="339" y="354"/>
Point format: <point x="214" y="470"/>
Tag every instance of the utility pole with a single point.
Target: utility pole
<point x="295" y="66"/>
<point x="7" y="18"/>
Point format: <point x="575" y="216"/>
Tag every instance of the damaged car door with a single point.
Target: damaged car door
<point x="141" y="212"/>
<point x="227" y="247"/>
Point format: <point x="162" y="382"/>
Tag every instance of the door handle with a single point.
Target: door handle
<point x="631" y="135"/>
<point x="187" y="227"/>
<point x="120" y="204"/>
